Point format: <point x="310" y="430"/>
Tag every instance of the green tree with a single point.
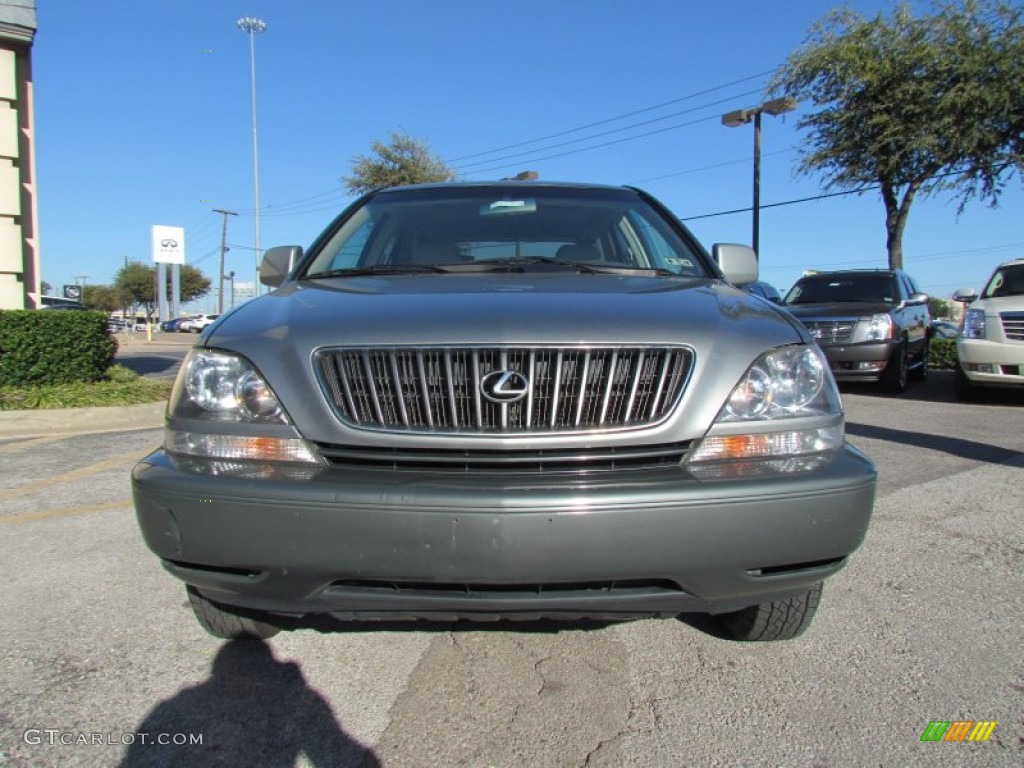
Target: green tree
<point x="912" y="106"/>
<point x="939" y="307"/>
<point x="405" y="160"/>
<point x="137" y="283"/>
<point x="105" y="298"/>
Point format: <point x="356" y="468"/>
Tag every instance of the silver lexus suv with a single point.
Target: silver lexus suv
<point x="504" y="400"/>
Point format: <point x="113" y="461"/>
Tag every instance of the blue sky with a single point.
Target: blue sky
<point x="142" y="113"/>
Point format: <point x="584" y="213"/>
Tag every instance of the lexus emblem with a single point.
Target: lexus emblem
<point x="504" y="386"/>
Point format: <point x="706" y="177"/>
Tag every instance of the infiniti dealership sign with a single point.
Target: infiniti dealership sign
<point x="168" y="244"/>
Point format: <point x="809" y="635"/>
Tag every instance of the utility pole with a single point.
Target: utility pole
<point x="223" y="250"/>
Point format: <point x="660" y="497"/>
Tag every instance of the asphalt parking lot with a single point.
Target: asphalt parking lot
<point x="99" y="646"/>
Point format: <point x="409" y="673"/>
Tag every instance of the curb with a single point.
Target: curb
<point x="75" y="421"/>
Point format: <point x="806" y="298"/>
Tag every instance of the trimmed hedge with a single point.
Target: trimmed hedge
<point x="53" y="347"/>
<point x="942" y="354"/>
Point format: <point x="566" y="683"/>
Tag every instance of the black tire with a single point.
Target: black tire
<point x="966" y="392"/>
<point x="780" y="620"/>
<point x="920" y="373"/>
<point x="221" y="621"/>
<point x="896" y="375"/>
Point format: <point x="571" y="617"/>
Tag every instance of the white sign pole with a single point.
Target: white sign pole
<point x="168" y="248"/>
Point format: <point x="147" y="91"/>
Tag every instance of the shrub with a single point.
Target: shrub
<point x="53" y="347"/>
<point x="942" y="354"/>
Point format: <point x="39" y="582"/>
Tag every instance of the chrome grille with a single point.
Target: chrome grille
<point x="831" y="331"/>
<point x="437" y="389"/>
<point x="1013" y="325"/>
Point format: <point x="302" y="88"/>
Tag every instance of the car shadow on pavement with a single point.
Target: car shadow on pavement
<point x="937" y="388"/>
<point x="968" y="449"/>
<point x="149" y="365"/>
<point x="253" y="711"/>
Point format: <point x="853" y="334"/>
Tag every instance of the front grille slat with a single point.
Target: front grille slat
<point x="438" y="389"/>
<point x="668" y="455"/>
<point x="1013" y="325"/>
<point x="838" y="331"/>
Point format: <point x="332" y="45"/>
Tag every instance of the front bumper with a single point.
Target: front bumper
<point x="397" y="544"/>
<point x="991" y="362"/>
<point x="859" y="362"/>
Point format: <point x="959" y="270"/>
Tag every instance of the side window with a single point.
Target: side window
<point x="351" y="250"/>
<point x="907" y="286"/>
<point x="650" y="248"/>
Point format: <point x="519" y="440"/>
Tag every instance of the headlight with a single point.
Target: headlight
<point x="224" y="386"/>
<point x="220" y="388"/>
<point x="784" y="384"/>
<point x="879" y="328"/>
<point x="974" y="324"/>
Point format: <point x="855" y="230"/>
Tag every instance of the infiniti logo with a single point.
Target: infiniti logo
<point x="504" y="386"/>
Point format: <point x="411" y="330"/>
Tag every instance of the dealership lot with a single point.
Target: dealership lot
<point x="925" y="624"/>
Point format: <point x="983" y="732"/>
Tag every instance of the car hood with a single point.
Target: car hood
<point x="281" y="332"/>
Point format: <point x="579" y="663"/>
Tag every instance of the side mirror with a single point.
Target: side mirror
<point x="918" y="298"/>
<point x="277" y="264"/>
<point x="965" y="295"/>
<point x="737" y="262"/>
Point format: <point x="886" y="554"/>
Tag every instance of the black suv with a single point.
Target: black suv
<point x="871" y="324"/>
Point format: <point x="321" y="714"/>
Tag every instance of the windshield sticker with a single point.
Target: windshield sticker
<point x="677" y="262"/>
<point x="508" y="207"/>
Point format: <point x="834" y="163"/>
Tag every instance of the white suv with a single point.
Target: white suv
<point x="990" y="347"/>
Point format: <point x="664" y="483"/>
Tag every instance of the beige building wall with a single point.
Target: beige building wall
<point x="19" y="250"/>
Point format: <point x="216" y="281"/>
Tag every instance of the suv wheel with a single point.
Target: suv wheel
<point x="779" y="620"/>
<point x="221" y="621"/>
<point x="896" y="375"/>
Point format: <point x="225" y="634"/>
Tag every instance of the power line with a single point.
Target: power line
<point x="744" y="160"/>
<point x="296" y="207"/>
<point x="610" y="119"/>
<point x="608" y="133"/>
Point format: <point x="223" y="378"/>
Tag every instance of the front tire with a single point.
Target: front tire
<point x="778" y="620"/>
<point x="221" y="621"/>
<point x="896" y="374"/>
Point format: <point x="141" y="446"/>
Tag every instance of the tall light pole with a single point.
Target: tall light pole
<point x="742" y="117"/>
<point x="251" y="26"/>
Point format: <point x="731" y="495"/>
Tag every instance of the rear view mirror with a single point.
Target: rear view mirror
<point x="965" y="295"/>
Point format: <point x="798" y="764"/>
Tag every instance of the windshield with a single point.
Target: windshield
<point x="476" y="228"/>
<point x="843" y="289"/>
<point x="1007" y="281"/>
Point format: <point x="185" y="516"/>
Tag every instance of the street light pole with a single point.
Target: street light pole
<point x="251" y="26"/>
<point x="742" y="117"/>
<point x="755" y="237"/>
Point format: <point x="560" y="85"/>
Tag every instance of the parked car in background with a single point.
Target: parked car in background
<point x="990" y="348"/>
<point x="173" y="325"/>
<point x="505" y="401"/>
<point x="196" y="323"/>
<point x="200" y="323"/>
<point x="872" y="324"/>
<point x="764" y="290"/>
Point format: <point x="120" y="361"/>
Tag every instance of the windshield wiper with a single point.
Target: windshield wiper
<point x="518" y="264"/>
<point x="380" y="269"/>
